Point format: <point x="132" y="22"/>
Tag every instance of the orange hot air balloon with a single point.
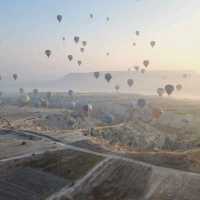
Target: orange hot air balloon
<point x="157" y="112"/>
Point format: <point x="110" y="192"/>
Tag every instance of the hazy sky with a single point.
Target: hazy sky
<point x="29" y="27"/>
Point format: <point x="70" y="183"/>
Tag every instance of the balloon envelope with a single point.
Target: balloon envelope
<point x="108" y="77"/>
<point x="137" y="33"/>
<point x="24" y="99"/>
<point x="76" y="39"/>
<point x="70" y="92"/>
<point x="35" y="91"/>
<point x="96" y="74"/>
<point x="130" y="82"/>
<point x="153" y="43"/>
<point x="146" y="63"/>
<point x="160" y="92"/>
<point x="137" y="68"/>
<point x="48" y="53"/>
<point x="141" y="103"/>
<point x="185" y="75"/>
<point x="82" y="50"/>
<point x="21" y="90"/>
<point x="169" y="89"/>
<point x="84" y="43"/>
<point x="179" y="87"/>
<point x="59" y="18"/>
<point x="91" y="16"/>
<point x="70" y="57"/>
<point x="157" y="112"/>
<point x="79" y="62"/>
<point x="15" y="76"/>
<point x="48" y="95"/>
<point x="117" y="87"/>
<point x="87" y="108"/>
<point x="143" y="71"/>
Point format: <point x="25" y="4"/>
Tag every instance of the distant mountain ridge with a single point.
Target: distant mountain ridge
<point x="143" y="83"/>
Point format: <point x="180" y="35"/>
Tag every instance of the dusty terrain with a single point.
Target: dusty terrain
<point x="60" y="153"/>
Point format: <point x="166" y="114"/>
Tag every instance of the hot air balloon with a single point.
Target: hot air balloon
<point x="82" y="50"/>
<point x="185" y="75"/>
<point x="15" y="76"/>
<point x="24" y="99"/>
<point x="84" y="43"/>
<point x="169" y="89"/>
<point x="44" y="102"/>
<point x="73" y="104"/>
<point x="179" y="87"/>
<point x="48" y="53"/>
<point x="87" y="108"/>
<point x="143" y="71"/>
<point x="21" y="90"/>
<point x="96" y="74"/>
<point x="59" y="18"/>
<point x="146" y="63"/>
<point x="141" y="103"/>
<point x="108" y="77"/>
<point x="79" y="62"/>
<point x="76" y="39"/>
<point x="160" y="92"/>
<point x="153" y="43"/>
<point x="91" y="16"/>
<point x="70" y="57"/>
<point x="35" y="92"/>
<point x="136" y="68"/>
<point x="117" y="87"/>
<point x="157" y="112"/>
<point x="137" y="33"/>
<point x="130" y="82"/>
<point x="70" y="92"/>
<point x="48" y="95"/>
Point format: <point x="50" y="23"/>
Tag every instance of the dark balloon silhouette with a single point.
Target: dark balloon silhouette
<point x="130" y="82"/>
<point x="169" y="89"/>
<point x="15" y="77"/>
<point x="108" y="77"/>
<point x="141" y="103"/>
<point x="117" y="87"/>
<point x="79" y="62"/>
<point x="146" y="63"/>
<point x="153" y="43"/>
<point x="76" y="39"/>
<point x="160" y="92"/>
<point x="96" y="74"/>
<point x="70" y="57"/>
<point x="59" y="18"/>
<point x="82" y="50"/>
<point x="84" y="43"/>
<point x="48" y="53"/>
<point x="179" y="87"/>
